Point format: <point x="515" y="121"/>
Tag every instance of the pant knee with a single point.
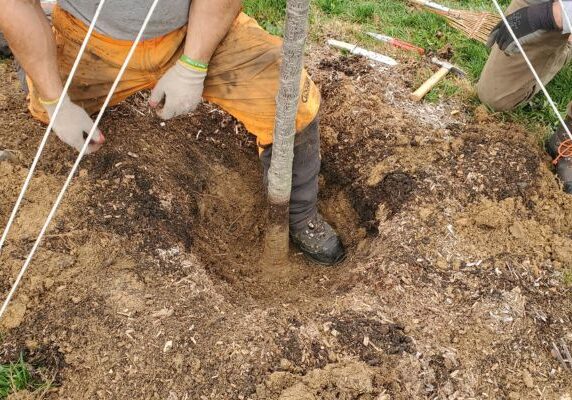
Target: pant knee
<point x="501" y="101"/>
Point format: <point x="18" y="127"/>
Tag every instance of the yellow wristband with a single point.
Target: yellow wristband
<point x="192" y="67"/>
<point x="48" y="102"/>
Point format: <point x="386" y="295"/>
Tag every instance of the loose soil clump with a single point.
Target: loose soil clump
<point x="148" y="284"/>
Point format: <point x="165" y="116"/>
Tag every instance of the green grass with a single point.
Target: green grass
<point x="17" y="376"/>
<point x="269" y="13"/>
<point x="395" y="18"/>
<point x="14" y="377"/>
<point x="567" y="277"/>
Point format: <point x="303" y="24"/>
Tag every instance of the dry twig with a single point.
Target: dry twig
<point x="562" y="353"/>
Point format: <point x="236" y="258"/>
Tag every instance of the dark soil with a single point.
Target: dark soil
<point x="368" y="337"/>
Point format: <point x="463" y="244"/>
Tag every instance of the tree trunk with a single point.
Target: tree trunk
<point x="280" y="172"/>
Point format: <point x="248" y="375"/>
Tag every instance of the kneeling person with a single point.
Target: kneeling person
<point x="190" y="50"/>
<point x="506" y="81"/>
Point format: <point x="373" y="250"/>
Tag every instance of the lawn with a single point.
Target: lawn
<point x="14" y="377"/>
<point x="397" y="19"/>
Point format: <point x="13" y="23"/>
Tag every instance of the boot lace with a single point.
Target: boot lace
<point x="316" y="227"/>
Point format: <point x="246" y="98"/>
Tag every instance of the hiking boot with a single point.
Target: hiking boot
<point x="314" y="236"/>
<point x="319" y="242"/>
<point x="563" y="162"/>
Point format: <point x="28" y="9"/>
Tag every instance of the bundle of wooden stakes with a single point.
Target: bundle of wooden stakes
<point x="475" y="24"/>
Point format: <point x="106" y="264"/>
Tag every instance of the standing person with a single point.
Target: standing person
<point x="190" y="50"/>
<point x="506" y="82"/>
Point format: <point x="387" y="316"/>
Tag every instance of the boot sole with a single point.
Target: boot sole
<point x="323" y="262"/>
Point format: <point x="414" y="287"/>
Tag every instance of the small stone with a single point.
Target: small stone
<point x="441" y="264"/>
<point x="195" y="365"/>
<point x="31" y="345"/>
<point x="285" y="364"/>
<point x="332" y="357"/>
<point x="65" y="262"/>
<point x="165" y="312"/>
<point x="482" y="114"/>
<point x="297" y="392"/>
<point x="463" y="222"/>
<point x="527" y="378"/>
<point x="75" y="299"/>
<point x="449" y="363"/>
<point x="7" y="156"/>
<point x="14" y="315"/>
<point x="168" y="346"/>
<point x="48" y="283"/>
<point x="425" y="213"/>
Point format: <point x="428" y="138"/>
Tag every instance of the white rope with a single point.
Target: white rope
<point x="50" y="126"/>
<point x="78" y="160"/>
<point x="550" y="101"/>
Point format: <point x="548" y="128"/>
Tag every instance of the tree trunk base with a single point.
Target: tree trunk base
<point x="276" y="240"/>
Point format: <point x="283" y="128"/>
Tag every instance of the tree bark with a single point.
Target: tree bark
<point x="280" y="172"/>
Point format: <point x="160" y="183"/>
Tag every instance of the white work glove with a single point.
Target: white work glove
<point x="72" y="125"/>
<point x="182" y="89"/>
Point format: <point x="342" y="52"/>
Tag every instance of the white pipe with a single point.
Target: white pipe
<point x="354" y="49"/>
<point x="78" y="160"/>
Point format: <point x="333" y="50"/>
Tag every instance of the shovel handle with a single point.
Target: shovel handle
<point x="429" y="84"/>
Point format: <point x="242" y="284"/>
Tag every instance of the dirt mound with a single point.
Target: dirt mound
<point x="148" y="284"/>
<point x="346" y="381"/>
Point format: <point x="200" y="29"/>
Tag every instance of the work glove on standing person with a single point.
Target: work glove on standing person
<point x="181" y="87"/>
<point x="73" y="124"/>
<point x="527" y="23"/>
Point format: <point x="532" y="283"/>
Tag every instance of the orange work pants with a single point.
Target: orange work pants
<point x="243" y="75"/>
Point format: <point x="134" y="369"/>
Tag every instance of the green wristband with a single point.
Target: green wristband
<point x="196" y="65"/>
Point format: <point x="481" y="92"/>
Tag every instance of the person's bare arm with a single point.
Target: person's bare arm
<point x="30" y="37"/>
<point x="182" y="85"/>
<point x="557" y="12"/>
<point x="209" y="22"/>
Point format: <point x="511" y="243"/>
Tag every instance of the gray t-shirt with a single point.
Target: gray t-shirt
<point x="566" y="16"/>
<point x="123" y="19"/>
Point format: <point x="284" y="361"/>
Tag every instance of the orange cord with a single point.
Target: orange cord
<point x="564" y="150"/>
